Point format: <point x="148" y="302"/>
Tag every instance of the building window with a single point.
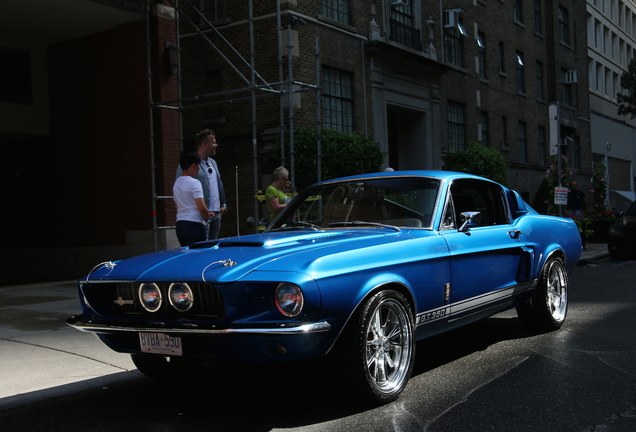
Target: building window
<point x="403" y="26"/>
<point x="483" y="129"/>
<point x="213" y="10"/>
<point x="454" y="46"/>
<point x="15" y="76"/>
<point x="564" y="25"/>
<point x="456" y="126"/>
<point x="337" y="90"/>
<point x="504" y="133"/>
<point x="481" y="42"/>
<point x="502" y="58"/>
<point x="538" y="25"/>
<point x="521" y="73"/>
<point x="523" y="147"/>
<point x="337" y="10"/>
<point x="539" y="78"/>
<point x="518" y="11"/>
<point x="543" y="159"/>
<point x="576" y="152"/>
<point x="566" y="89"/>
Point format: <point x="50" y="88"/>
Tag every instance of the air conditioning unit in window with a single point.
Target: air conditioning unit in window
<point x="451" y="17"/>
<point x="399" y="3"/>
<point x="451" y="20"/>
<point x="572" y="76"/>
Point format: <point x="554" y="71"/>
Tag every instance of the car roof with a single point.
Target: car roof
<point x="438" y="174"/>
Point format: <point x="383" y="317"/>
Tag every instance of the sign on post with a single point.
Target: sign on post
<point x="560" y="195"/>
<point x="555" y="128"/>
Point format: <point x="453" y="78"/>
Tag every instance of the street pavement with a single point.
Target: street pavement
<point x="42" y="357"/>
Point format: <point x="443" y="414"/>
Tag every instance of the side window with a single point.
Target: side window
<point x="482" y="196"/>
<point x="448" y="221"/>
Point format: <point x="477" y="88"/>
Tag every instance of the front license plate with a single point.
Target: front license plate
<point x="160" y="343"/>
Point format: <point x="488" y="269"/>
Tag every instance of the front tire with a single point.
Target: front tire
<point x="383" y="342"/>
<point x="547" y="308"/>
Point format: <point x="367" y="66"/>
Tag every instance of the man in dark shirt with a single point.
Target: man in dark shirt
<point x="576" y="199"/>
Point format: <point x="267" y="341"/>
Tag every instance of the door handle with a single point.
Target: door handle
<point x="514" y="234"/>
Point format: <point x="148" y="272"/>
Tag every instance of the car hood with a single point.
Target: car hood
<point x="228" y="260"/>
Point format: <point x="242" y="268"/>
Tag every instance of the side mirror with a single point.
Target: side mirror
<point x="469" y="219"/>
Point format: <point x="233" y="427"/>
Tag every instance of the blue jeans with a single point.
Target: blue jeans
<point x="189" y="232"/>
<point x="215" y="226"/>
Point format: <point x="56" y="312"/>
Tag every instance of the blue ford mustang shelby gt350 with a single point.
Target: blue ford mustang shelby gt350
<point x="357" y="269"/>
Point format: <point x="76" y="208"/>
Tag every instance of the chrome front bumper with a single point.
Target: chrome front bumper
<point x="86" y="325"/>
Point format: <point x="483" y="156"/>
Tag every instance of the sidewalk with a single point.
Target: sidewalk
<point x="593" y="252"/>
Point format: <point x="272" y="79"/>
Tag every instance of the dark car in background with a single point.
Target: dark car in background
<point x="621" y="242"/>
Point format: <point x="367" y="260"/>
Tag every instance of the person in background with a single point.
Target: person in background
<point x="192" y="213"/>
<point x="210" y="178"/>
<point x="576" y="199"/>
<point x="274" y="196"/>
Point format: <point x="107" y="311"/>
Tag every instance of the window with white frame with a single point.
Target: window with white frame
<point x="564" y="25"/>
<point x="523" y="142"/>
<point x="521" y="73"/>
<point x="484" y="128"/>
<point x="337" y="10"/>
<point x="539" y="80"/>
<point x="456" y="114"/>
<point x="518" y="10"/>
<point x="538" y="24"/>
<point x="566" y="89"/>
<point x="481" y="44"/>
<point x="454" y="45"/>
<point x="403" y="26"/>
<point x="337" y="99"/>
<point x="541" y="136"/>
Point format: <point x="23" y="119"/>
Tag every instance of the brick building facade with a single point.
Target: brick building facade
<point x="515" y="60"/>
<point x="421" y="78"/>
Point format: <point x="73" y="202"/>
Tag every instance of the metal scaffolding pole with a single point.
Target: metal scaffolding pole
<point x="152" y="130"/>
<point x="253" y="93"/>
<point x="283" y="86"/>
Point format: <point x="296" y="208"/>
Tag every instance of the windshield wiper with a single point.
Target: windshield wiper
<point x="304" y="226"/>
<point x="363" y="223"/>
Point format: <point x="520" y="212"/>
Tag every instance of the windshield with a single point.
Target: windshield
<point x="399" y="202"/>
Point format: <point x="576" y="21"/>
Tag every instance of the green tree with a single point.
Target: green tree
<point x="479" y="160"/>
<point x="342" y="155"/>
<point x="627" y="102"/>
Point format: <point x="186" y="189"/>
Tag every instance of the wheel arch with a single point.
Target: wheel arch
<point x="375" y="287"/>
<point x="555" y="252"/>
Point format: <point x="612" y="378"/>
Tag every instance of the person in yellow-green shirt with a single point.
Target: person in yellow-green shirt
<point x="274" y="196"/>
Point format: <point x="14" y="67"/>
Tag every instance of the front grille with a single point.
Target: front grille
<point x="122" y="300"/>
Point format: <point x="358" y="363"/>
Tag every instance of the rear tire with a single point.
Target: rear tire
<point x="547" y="308"/>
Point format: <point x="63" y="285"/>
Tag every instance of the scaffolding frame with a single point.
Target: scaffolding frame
<point x="283" y="88"/>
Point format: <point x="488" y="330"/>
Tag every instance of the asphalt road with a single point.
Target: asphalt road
<point x="491" y="376"/>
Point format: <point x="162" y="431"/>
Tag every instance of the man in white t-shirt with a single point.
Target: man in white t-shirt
<point x="210" y="178"/>
<point x="192" y="213"/>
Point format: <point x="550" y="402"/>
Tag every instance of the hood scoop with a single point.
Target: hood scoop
<point x="237" y="243"/>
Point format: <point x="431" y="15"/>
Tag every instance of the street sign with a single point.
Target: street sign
<point x="560" y="195"/>
<point x="555" y="128"/>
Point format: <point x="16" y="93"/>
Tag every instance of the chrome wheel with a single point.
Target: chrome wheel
<point x="556" y="290"/>
<point x="388" y="345"/>
<point x="548" y="306"/>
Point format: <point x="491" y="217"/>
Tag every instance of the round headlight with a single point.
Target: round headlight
<point x="150" y="297"/>
<point x="180" y="296"/>
<point x="289" y="299"/>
